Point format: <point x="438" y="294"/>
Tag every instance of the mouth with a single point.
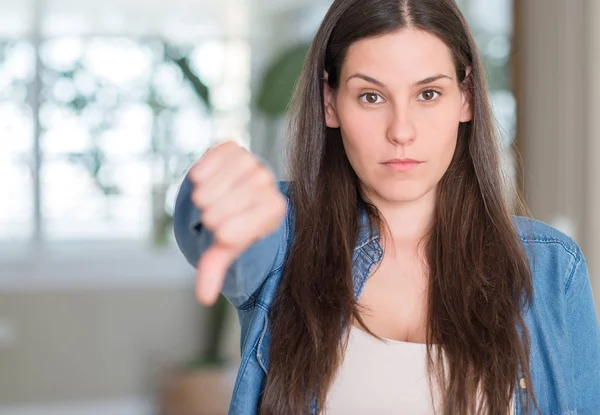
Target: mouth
<point x="402" y="165"/>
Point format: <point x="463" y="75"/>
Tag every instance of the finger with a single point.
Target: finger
<point x="232" y="238"/>
<point x="211" y="271"/>
<point x="256" y="222"/>
<point x="236" y="170"/>
<point x="211" y="162"/>
<point x="245" y="193"/>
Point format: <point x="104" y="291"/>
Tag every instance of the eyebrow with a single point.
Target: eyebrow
<point x="425" y="81"/>
<point x="432" y="79"/>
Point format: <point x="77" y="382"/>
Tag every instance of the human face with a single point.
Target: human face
<point x="398" y="106"/>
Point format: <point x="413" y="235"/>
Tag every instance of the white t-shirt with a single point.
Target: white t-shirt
<point x="387" y="378"/>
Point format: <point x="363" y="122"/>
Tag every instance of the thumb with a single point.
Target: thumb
<point x="211" y="270"/>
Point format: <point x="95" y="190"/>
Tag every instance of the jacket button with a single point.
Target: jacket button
<point x="522" y="383"/>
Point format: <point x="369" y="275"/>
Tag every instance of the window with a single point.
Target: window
<point x="492" y="24"/>
<point x="94" y="147"/>
<point x="16" y="139"/>
<point x="100" y="117"/>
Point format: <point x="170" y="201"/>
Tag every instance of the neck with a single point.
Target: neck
<point x="408" y="222"/>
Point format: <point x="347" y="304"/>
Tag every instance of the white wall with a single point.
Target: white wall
<point x="592" y="95"/>
<point x="557" y="51"/>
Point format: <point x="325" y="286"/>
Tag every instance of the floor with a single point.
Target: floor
<point x="125" y="406"/>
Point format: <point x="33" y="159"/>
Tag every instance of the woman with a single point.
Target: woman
<point x="388" y="276"/>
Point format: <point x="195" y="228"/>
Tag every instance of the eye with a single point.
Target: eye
<point x="371" y="98"/>
<point x="429" y="95"/>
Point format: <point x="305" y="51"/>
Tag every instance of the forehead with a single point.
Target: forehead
<point x="408" y="55"/>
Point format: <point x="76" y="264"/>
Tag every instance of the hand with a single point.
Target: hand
<point x="240" y="203"/>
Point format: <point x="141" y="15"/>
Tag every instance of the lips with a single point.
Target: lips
<point x="402" y="165"/>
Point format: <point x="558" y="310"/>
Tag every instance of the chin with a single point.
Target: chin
<point x="402" y="193"/>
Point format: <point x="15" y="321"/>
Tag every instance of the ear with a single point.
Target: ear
<point x="466" y="113"/>
<point x="331" y="117"/>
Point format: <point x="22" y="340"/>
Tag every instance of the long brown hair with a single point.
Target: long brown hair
<point x="479" y="274"/>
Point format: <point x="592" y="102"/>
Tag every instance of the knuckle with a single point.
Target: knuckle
<point x="197" y="197"/>
<point x="279" y="205"/>
<point x="210" y="219"/>
<point x="263" y="176"/>
<point x="283" y="207"/>
<point x="231" y="144"/>
<point x="226" y="235"/>
<point x="227" y="148"/>
<point x="246" y="158"/>
<point x="196" y="172"/>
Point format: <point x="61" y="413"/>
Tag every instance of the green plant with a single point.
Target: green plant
<point x="212" y="355"/>
<point x="272" y="100"/>
<point x="279" y="80"/>
<point x="163" y="221"/>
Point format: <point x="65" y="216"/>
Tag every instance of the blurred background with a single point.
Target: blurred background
<point x="104" y="106"/>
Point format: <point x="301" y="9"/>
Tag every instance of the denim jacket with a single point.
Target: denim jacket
<point x="562" y="321"/>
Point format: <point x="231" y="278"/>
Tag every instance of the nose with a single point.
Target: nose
<point x="401" y="129"/>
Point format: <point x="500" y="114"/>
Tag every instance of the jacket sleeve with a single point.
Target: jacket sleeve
<point x="585" y="338"/>
<point x="247" y="274"/>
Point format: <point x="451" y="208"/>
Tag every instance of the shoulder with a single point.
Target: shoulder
<point x="533" y="231"/>
<point x="552" y="254"/>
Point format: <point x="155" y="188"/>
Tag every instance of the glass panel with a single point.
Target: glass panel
<point x="16" y="18"/>
<point x="122" y="121"/>
<point x="492" y="25"/>
<point x="16" y="139"/>
<point x="112" y="205"/>
<point x="181" y="19"/>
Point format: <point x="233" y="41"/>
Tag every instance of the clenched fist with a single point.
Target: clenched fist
<point x="240" y="203"/>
